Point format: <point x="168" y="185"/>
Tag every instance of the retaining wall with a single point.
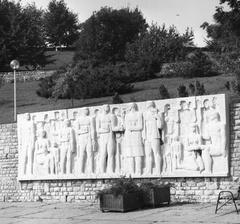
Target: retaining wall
<point x="197" y="189"/>
<point x="24" y="76"/>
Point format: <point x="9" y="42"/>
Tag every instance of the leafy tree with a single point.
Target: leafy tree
<point x="21" y="35"/>
<point x="224" y="34"/>
<point x="104" y="35"/>
<point x="61" y="24"/>
<point x="157" y="46"/>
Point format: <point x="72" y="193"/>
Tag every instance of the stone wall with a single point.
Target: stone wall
<point x="24" y="76"/>
<point x="200" y="189"/>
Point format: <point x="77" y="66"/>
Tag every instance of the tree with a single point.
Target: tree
<point x="224" y="34"/>
<point x="21" y="35"/>
<point x="61" y="24"/>
<point x="104" y="35"/>
<point x="159" y="45"/>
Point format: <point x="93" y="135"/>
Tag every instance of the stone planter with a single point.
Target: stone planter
<point x="156" y="196"/>
<point x="121" y="203"/>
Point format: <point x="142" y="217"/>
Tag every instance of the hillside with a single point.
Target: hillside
<point x="28" y="101"/>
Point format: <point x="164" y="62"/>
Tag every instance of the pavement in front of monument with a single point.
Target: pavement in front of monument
<point x="73" y="213"/>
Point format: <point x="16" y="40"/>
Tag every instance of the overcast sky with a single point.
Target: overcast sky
<point x="181" y="13"/>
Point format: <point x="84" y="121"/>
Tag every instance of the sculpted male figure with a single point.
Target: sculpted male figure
<point x="66" y="140"/>
<point x="106" y="140"/>
<point x="26" y="143"/>
<point x="118" y="129"/>
<point x="153" y="123"/>
<point x="85" y="141"/>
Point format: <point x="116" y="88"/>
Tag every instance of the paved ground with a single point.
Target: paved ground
<point x="74" y="213"/>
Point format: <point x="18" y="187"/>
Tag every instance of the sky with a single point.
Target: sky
<point x="180" y="13"/>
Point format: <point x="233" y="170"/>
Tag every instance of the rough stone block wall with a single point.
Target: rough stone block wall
<point x="198" y="189"/>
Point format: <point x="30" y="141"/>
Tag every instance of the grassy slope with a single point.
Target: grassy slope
<point x="28" y="101"/>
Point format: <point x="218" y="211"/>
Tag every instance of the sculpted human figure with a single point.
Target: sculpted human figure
<point x="153" y="124"/>
<point x="193" y="150"/>
<point x="186" y="116"/>
<point x="169" y="127"/>
<point x="176" y="153"/>
<point x="26" y="142"/>
<point x="133" y="139"/>
<point x="205" y="113"/>
<point x="106" y="140"/>
<point x="54" y="151"/>
<point x="46" y="125"/>
<point x="42" y="153"/>
<point x="85" y="140"/>
<point x="118" y="129"/>
<point x="55" y="126"/>
<point x="217" y="136"/>
<point x="66" y="140"/>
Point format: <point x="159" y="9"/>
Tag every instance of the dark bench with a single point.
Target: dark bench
<point x="226" y="197"/>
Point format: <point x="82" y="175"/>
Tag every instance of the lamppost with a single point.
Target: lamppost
<point x="15" y="65"/>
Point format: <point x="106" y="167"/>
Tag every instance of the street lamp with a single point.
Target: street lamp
<point x="15" y="65"/>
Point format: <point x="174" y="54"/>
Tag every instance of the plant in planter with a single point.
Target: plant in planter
<point x="154" y="194"/>
<point x="123" y="195"/>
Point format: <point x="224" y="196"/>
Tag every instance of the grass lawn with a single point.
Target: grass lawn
<point x="28" y="100"/>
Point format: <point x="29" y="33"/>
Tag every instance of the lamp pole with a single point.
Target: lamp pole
<point x="15" y="65"/>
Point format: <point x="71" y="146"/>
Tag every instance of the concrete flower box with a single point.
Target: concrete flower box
<point x="156" y="196"/>
<point x="121" y="203"/>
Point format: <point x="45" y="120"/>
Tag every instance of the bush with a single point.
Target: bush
<point x="236" y="85"/>
<point x="177" y="69"/>
<point x="198" y="89"/>
<point x="121" y="186"/>
<point x="203" y="66"/>
<point x="182" y="91"/>
<point x="45" y="87"/>
<point x="163" y="92"/>
<point x="85" y="81"/>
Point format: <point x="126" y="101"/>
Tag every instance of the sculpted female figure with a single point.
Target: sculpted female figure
<point x="193" y="150"/>
<point x="42" y="155"/>
<point x="217" y="135"/>
<point x="133" y="139"/>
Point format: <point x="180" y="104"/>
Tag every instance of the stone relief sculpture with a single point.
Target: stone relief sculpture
<point x="133" y="139"/>
<point x="152" y="136"/>
<point x="119" y="129"/>
<point x="162" y="138"/>
<point x="86" y="132"/>
<point x="67" y="147"/>
<point x="106" y="140"/>
<point x="42" y="154"/>
<point x="26" y="139"/>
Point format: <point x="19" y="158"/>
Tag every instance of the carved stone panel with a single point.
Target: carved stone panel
<point x="182" y="137"/>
